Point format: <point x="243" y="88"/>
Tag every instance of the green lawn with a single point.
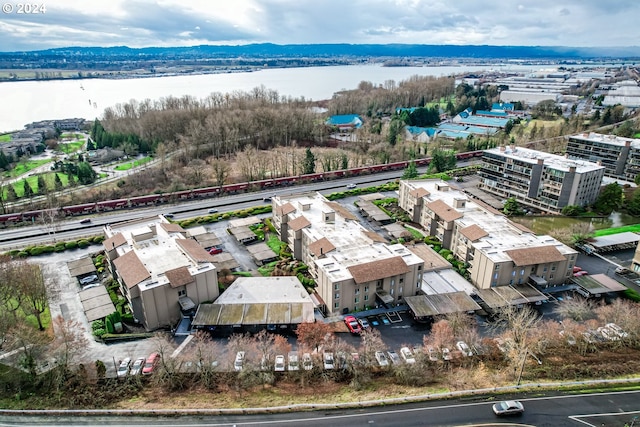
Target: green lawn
<point x="71" y="147"/>
<point x="49" y="178"/>
<point x="22" y="168"/>
<point x="5" y="137"/>
<point x="128" y="165"/>
<point x="415" y="233"/>
<point x="634" y="228"/>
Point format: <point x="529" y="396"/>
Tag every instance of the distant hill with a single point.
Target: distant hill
<point x="268" y="50"/>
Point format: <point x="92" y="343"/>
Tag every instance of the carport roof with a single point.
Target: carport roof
<point x="81" y="267"/>
<point x="502" y="296"/>
<point x="96" y="303"/>
<point x="433" y="305"/>
<point x="599" y="284"/>
<point x="615" y="239"/>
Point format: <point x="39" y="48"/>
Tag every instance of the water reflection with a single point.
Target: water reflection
<point x="557" y="224"/>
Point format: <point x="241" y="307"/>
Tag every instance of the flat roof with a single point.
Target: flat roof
<point x="81" y="266"/>
<point x="614" y="239"/>
<point x="599" y="284"/>
<point x="433" y="305"/>
<point x="96" y="303"/>
<point x="553" y="161"/>
<point x="502" y="296"/>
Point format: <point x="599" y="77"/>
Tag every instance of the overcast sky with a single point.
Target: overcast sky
<point x="141" y="23"/>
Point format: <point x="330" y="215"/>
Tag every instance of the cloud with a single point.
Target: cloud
<point x="139" y="23"/>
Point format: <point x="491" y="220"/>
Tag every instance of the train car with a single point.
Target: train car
<point x="236" y="188"/>
<point x="205" y="192"/>
<point x="10" y="219"/>
<point x="181" y="195"/>
<point x="110" y="205"/>
<point x="80" y="209"/>
<point x="151" y="199"/>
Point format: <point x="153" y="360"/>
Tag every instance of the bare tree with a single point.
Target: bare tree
<point x="312" y="335"/>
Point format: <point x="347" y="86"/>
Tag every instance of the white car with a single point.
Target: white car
<point x="446" y="354"/>
<point x="381" y="358"/>
<point x="279" y="365"/>
<point x="307" y="362"/>
<point x="213" y="210"/>
<point x="328" y="360"/>
<point x="433" y="354"/>
<point x="393" y="357"/>
<point x="617" y="330"/>
<point x="508" y="407"/>
<point x="88" y="279"/>
<point x="136" y="368"/>
<point x="407" y="355"/>
<point x="464" y="348"/>
<point x="239" y="362"/>
<point x="123" y="369"/>
<point x="351" y="186"/>
<point x="293" y="361"/>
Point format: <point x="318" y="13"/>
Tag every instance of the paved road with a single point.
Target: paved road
<point x="595" y="410"/>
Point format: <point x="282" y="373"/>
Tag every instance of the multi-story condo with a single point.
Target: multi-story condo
<point x="161" y="272"/>
<point x="499" y="251"/>
<point x="354" y="267"/>
<point x="543" y="181"/>
<point x="619" y="156"/>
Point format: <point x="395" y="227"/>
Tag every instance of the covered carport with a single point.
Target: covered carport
<point x="81" y="267"/>
<point x="423" y="308"/>
<point x="594" y="286"/>
<point x="493" y="299"/>
<point x="96" y="303"/>
<point x="615" y="242"/>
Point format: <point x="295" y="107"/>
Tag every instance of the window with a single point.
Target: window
<point x="544" y="270"/>
<point x="495" y="276"/>
<point x="336" y="296"/>
<point x="366" y="297"/>
<point x="357" y="292"/>
<point x="393" y="282"/>
<point x="182" y="293"/>
<point x="336" y="287"/>
<point x="522" y="272"/>
<point x="513" y="273"/>
<point x="401" y="280"/>
<point x="366" y="289"/>
<point x="497" y="267"/>
<point x="356" y="300"/>
<point x="400" y="290"/>
<point x="336" y="305"/>
<point x="391" y="292"/>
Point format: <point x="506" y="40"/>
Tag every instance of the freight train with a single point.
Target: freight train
<point x="198" y="193"/>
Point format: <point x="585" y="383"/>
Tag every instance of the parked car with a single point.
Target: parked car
<point x="407" y="355"/>
<point x="214" y="251"/>
<point x="508" y="407"/>
<point x="352" y="324"/>
<point x="393" y="357"/>
<point x="580" y="273"/>
<point x="239" y="362"/>
<point x="364" y="323"/>
<point x="279" y="365"/>
<point x="464" y="348"/>
<point x="622" y="271"/>
<point x="617" y="330"/>
<point x="86" y="221"/>
<point x="136" y="368"/>
<point x="381" y="358"/>
<point x="446" y="354"/>
<point x="293" y="361"/>
<point x="90" y="286"/>
<point x="351" y="186"/>
<point x="88" y="279"/>
<point x="123" y="368"/>
<point x="328" y="360"/>
<point x="307" y="362"/>
<point x="432" y="353"/>
<point x="151" y="364"/>
<point x="213" y="210"/>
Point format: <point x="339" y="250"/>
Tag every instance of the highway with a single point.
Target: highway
<point x="597" y="410"/>
<point x="70" y="228"/>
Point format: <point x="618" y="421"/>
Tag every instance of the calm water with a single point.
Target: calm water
<point x="25" y="102"/>
<point x="549" y="225"/>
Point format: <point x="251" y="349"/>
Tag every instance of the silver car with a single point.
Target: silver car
<point x="508" y="407"/>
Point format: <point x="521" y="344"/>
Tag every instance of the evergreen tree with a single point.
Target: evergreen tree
<point x="511" y="207"/>
<point x="42" y="185"/>
<point x="11" y="193"/>
<point x="309" y="164"/>
<point x="86" y="174"/>
<point x="4" y="162"/>
<point x="27" y="190"/>
<point x="411" y="171"/>
<point x="610" y="199"/>
<point x="57" y="183"/>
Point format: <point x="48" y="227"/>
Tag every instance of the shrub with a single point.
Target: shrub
<point x="97" y="324"/>
<point x="99" y="332"/>
<point x="71" y="245"/>
<point x="127" y="318"/>
<point x="82" y="243"/>
<point x="38" y="250"/>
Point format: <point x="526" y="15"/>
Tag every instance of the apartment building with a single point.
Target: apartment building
<point x="619" y="156"/>
<point x="499" y="251"/>
<point x="542" y="181"/>
<point x="161" y="272"/>
<point x="354" y="267"/>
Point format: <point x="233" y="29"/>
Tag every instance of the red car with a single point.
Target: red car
<point x="150" y="364"/>
<point x="214" y="251"/>
<point x="352" y="324"/>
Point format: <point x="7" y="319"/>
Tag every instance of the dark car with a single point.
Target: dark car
<point x="508" y="407"/>
<point x="86" y="221"/>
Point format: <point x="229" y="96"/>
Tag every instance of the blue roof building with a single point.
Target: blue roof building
<point x="345" y="121"/>
<point x="504" y="106"/>
<point x="492" y="113"/>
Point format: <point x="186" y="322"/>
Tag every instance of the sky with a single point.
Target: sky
<point x="143" y="23"/>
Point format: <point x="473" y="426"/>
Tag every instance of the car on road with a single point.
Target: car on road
<point x="351" y="186"/>
<point x="364" y="323"/>
<point x="123" y="368"/>
<point x="88" y="279"/>
<point x="381" y="358"/>
<point x="169" y="215"/>
<point x="508" y="407"/>
<point x="464" y="348"/>
<point x="239" y="361"/>
<point x="327" y="358"/>
<point x="393" y="357"/>
<point x="352" y="324"/>
<point x="307" y="362"/>
<point x="136" y="368"/>
<point x="279" y="365"/>
<point x="407" y="355"/>
<point x="86" y="221"/>
<point x="213" y="210"/>
<point x="151" y="363"/>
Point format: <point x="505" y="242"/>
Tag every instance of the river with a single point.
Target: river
<point x="29" y="101"/>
